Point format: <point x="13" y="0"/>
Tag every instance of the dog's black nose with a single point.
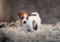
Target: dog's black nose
<point x="24" y="22"/>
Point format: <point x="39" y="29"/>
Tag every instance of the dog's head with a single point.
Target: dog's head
<point x="23" y="17"/>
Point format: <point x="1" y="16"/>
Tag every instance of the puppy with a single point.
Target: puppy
<point x="31" y="23"/>
<point x="23" y="20"/>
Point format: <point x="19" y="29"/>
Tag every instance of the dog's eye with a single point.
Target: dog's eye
<point x="22" y="17"/>
<point x="27" y="18"/>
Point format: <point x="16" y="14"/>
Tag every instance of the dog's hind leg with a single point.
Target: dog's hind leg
<point x="35" y="27"/>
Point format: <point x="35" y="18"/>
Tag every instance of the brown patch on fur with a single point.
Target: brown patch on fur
<point x="28" y="30"/>
<point x="21" y="15"/>
<point x="33" y="22"/>
<point x="34" y="25"/>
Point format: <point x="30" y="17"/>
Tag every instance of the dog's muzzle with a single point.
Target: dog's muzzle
<point x="24" y="22"/>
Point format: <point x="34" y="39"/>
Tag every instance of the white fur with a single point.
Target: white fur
<point x="35" y="13"/>
<point x="37" y="20"/>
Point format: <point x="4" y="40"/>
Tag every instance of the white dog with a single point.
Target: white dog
<point x="32" y="23"/>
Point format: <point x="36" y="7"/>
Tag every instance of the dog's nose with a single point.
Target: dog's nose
<point x="24" y="22"/>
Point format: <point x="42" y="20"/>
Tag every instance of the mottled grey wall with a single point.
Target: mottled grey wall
<point x="49" y="10"/>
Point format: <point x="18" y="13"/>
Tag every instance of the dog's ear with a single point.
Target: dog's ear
<point x="19" y="13"/>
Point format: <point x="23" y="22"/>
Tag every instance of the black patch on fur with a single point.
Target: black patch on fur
<point x="35" y="27"/>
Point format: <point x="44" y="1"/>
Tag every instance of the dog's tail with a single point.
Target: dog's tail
<point x="35" y="13"/>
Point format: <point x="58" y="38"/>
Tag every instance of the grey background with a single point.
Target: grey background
<point x="49" y="10"/>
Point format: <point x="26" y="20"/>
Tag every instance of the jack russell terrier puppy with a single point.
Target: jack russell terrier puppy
<point x="31" y="23"/>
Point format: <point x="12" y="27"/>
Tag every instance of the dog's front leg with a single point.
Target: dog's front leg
<point x="31" y="28"/>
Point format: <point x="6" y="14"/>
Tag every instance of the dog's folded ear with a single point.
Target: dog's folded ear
<point x="22" y="12"/>
<point x="18" y="14"/>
